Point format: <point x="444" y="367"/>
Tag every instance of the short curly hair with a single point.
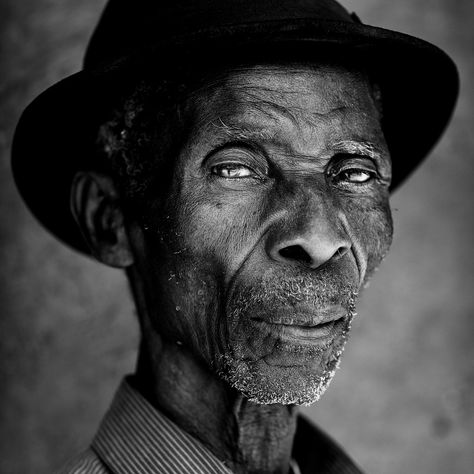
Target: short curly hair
<point x="135" y="143"/>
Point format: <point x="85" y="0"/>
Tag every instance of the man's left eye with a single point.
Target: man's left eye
<point x="355" y="175"/>
<point x="232" y="171"/>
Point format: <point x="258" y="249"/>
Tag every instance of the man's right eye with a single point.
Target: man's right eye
<point x="232" y="171"/>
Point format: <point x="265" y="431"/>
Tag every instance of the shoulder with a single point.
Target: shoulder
<point x="85" y="463"/>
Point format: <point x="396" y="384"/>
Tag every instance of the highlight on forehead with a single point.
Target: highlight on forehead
<point x="246" y="80"/>
<point x="258" y="91"/>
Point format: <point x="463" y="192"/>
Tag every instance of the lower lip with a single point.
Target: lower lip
<point x="321" y="334"/>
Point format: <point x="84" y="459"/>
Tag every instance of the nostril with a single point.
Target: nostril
<point x="340" y="252"/>
<point x="296" y="252"/>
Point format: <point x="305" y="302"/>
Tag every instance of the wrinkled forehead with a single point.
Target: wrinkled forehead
<point x="265" y="99"/>
<point x="295" y="85"/>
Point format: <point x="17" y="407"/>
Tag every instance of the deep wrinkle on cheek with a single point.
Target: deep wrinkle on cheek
<point x="371" y="224"/>
<point x="232" y="230"/>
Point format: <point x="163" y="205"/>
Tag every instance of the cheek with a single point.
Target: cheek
<point x="372" y="225"/>
<point x="183" y="298"/>
<point x="221" y="229"/>
<point x="192" y="252"/>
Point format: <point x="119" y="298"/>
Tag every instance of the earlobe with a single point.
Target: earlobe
<point x="95" y="205"/>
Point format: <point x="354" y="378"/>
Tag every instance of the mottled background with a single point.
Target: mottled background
<point x="403" y="399"/>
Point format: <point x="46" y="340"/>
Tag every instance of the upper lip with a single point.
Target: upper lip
<point x="305" y="316"/>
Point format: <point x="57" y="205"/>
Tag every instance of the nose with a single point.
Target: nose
<point x="310" y="238"/>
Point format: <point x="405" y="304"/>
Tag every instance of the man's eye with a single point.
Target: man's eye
<point x="232" y="171"/>
<point x="355" y="175"/>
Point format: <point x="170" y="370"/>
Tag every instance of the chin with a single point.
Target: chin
<point x="292" y="373"/>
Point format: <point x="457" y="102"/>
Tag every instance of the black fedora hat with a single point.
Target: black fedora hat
<point x="56" y="134"/>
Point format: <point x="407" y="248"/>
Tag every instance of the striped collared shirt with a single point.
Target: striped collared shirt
<point x="135" y="438"/>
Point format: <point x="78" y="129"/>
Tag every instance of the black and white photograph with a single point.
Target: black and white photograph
<point x="237" y="237"/>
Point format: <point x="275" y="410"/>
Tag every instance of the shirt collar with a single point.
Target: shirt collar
<point x="135" y="438"/>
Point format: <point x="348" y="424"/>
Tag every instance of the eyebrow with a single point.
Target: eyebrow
<point x="361" y="147"/>
<point x="243" y="133"/>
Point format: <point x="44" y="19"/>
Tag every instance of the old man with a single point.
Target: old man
<point x="235" y="158"/>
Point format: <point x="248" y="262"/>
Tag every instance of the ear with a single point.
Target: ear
<point x="95" y="205"/>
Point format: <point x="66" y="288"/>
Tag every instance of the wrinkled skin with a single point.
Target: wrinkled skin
<point x="277" y="215"/>
<point x="221" y="240"/>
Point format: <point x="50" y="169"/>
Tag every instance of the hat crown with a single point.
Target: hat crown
<point x="126" y="26"/>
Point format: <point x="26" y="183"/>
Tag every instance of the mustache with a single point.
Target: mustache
<point x="319" y="291"/>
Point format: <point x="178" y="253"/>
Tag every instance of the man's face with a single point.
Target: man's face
<point x="277" y="214"/>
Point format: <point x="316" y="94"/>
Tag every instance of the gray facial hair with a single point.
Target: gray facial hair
<point x="243" y="374"/>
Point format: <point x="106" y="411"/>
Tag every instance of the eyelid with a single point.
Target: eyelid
<point x="248" y="150"/>
<point x="345" y="161"/>
<point x="252" y="173"/>
<point x="235" y="164"/>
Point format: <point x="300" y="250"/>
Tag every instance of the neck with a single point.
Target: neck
<point x="248" y="437"/>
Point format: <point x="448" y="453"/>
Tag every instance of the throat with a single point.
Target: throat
<point x="249" y="438"/>
<point x="264" y="438"/>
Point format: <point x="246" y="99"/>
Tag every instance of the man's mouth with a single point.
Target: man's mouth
<point x="305" y="325"/>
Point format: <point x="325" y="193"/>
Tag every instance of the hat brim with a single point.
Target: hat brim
<point x="57" y="132"/>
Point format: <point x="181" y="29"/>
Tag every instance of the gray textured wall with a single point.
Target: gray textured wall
<point x="403" y="399"/>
